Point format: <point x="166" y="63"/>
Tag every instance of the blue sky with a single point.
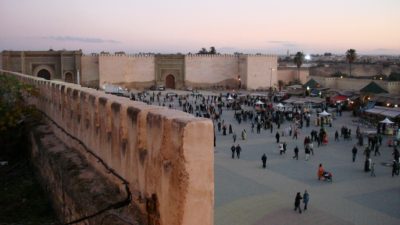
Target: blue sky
<point x="170" y="26"/>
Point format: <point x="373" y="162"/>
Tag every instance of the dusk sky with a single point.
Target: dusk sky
<point x="171" y="26"/>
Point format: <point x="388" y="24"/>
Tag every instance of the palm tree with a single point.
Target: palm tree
<point x="280" y="84"/>
<point x="351" y="56"/>
<point x="298" y="60"/>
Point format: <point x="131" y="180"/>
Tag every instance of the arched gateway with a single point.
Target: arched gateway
<point x="43" y="73"/>
<point x="170" y="81"/>
<point x="69" y="77"/>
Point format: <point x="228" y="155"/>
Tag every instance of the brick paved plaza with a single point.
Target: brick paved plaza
<point x="247" y="194"/>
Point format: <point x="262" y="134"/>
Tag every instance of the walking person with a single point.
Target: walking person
<point x="307" y="151"/>
<point x="280" y="147"/>
<point x="373" y="170"/>
<point x="284" y="148"/>
<point x="244" y="134"/>
<point x="295" y="134"/>
<point x="306" y="198"/>
<point x="396" y="154"/>
<point x="264" y="160"/>
<point x="233" y="149"/>
<point x="395" y="169"/>
<point x="234" y="137"/>
<point x="238" y="150"/>
<point x="336" y="136"/>
<point x="297" y="201"/>
<point x="277" y="136"/>
<point x="377" y="152"/>
<point x="354" y="152"/>
<point x="296" y="153"/>
<point x="367" y="165"/>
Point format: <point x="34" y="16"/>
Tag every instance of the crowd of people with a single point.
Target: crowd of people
<point x="268" y="120"/>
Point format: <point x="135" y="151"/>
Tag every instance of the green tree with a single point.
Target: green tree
<point x="351" y="56"/>
<point x="298" y="60"/>
<point x="14" y="111"/>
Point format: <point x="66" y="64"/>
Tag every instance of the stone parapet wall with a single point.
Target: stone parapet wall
<point x="165" y="155"/>
<point x="76" y="189"/>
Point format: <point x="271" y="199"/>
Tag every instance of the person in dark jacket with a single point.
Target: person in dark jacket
<point x="354" y="152"/>
<point x="277" y="136"/>
<point x="297" y="201"/>
<point x="264" y="160"/>
<point x="233" y="149"/>
<point x="395" y="169"/>
<point x="296" y="153"/>
<point x="367" y="165"/>
<point x="238" y="150"/>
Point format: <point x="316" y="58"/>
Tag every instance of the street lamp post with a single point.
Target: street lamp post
<point x="270" y="79"/>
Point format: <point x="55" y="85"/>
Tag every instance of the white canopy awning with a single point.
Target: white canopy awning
<point x="386" y="120"/>
<point x="259" y="102"/>
<point x="324" y="113"/>
<point x="280" y="105"/>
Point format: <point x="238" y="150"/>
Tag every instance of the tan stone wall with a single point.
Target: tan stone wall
<point x="287" y="74"/>
<point x="210" y="69"/>
<point x="355" y="84"/>
<point x="120" y="69"/>
<point x="90" y="71"/>
<point x="159" y="151"/>
<point x="393" y="87"/>
<point x="357" y="70"/>
<point x="261" y="72"/>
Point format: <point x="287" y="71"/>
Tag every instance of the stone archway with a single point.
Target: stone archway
<point x="170" y="81"/>
<point x="69" y="77"/>
<point x="43" y="73"/>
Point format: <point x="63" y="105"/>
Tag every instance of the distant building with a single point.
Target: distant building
<point x="54" y="65"/>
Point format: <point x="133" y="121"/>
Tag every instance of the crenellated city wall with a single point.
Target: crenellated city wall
<point x="261" y="71"/>
<point x="288" y="74"/>
<point x="356" y="70"/>
<point x="165" y="155"/>
<point x="126" y="69"/>
<point x="90" y="71"/>
<point x="208" y="70"/>
<point x="139" y="71"/>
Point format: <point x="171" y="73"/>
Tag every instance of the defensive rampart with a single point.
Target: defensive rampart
<point x="165" y="155"/>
